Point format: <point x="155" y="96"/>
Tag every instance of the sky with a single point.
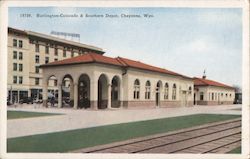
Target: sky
<point x="184" y="40"/>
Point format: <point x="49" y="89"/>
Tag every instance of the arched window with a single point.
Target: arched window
<point x="147" y="90"/>
<point x="174" y="92"/>
<point x="190" y="90"/>
<point x="166" y="91"/>
<point x="136" y="89"/>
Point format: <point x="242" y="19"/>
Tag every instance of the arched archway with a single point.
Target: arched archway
<point x="147" y="89"/>
<point x="67" y="91"/>
<point x="84" y="91"/>
<point x="52" y="92"/>
<point x="115" y="92"/>
<point x="102" y="92"/>
<point x="158" y="93"/>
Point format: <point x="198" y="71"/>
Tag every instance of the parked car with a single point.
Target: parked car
<point x="27" y="100"/>
<point x="38" y="101"/>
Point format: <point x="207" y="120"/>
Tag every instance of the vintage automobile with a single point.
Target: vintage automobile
<point x="27" y="100"/>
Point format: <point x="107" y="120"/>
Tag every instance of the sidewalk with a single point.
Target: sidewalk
<point x="77" y="119"/>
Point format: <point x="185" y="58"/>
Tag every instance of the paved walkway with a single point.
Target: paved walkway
<point x="76" y="119"/>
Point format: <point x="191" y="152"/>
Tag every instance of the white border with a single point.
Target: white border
<point x="244" y="4"/>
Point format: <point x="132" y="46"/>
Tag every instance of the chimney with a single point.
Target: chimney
<point x="204" y="74"/>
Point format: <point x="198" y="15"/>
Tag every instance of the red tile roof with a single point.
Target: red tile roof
<point x="207" y="82"/>
<point x="119" y="61"/>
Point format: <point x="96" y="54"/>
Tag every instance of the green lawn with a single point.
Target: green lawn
<point x="82" y="138"/>
<point x="237" y="150"/>
<point x="23" y="114"/>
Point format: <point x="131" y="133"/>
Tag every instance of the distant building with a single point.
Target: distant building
<point x="27" y="50"/>
<point x="208" y="92"/>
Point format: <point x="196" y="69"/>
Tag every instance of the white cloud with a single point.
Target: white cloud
<point x="199" y="45"/>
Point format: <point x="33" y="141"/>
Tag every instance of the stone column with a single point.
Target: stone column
<point x="45" y="92"/>
<point x="59" y="95"/>
<point x="75" y="95"/>
<point x="109" y="96"/>
<point x="29" y="93"/>
<point x="121" y="95"/>
<point x="71" y="89"/>
<point x="93" y="92"/>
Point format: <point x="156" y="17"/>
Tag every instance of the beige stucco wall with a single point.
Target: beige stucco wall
<point x="218" y="98"/>
<point x="94" y="71"/>
<point x="154" y="77"/>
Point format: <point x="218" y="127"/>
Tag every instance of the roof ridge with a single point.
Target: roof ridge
<point x="210" y="82"/>
<point x="121" y="60"/>
<point x="91" y="56"/>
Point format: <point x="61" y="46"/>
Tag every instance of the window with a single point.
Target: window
<point x="20" y="43"/>
<point x="166" y="91"/>
<point x="36" y="81"/>
<point x="55" y="82"/>
<point x="212" y="96"/>
<point x="174" y="92"/>
<point x="136" y="89"/>
<point x="20" y="80"/>
<point x="37" y="69"/>
<point x="14" y="66"/>
<point x="14" y="79"/>
<point x="20" y="67"/>
<point x="201" y="96"/>
<point x="56" y="52"/>
<point x="20" y="55"/>
<point x="37" y="48"/>
<point x="64" y="53"/>
<point x="72" y="53"/>
<point x="190" y="90"/>
<point x="147" y="90"/>
<point x="47" y="49"/>
<point x="14" y="55"/>
<point x="37" y="59"/>
<point x="15" y="42"/>
<point x="226" y="95"/>
<point x="46" y="59"/>
<point x="230" y="95"/>
<point x="215" y="96"/>
<point x="55" y="59"/>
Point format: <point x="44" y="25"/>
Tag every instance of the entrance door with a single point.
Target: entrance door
<point x="194" y="99"/>
<point x="157" y="95"/>
<point x="99" y="95"/>
<point x="184" y="98"/>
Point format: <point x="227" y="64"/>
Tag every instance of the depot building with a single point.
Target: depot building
<point x="209" y="92"/>
<point x="99" y="82"/>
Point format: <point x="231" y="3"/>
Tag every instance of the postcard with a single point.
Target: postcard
<point x="127" y="79"/>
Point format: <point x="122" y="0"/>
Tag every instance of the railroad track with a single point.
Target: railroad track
<point x="219" y="137"/>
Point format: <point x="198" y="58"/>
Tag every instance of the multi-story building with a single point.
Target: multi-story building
<point x="27" y="50"/>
